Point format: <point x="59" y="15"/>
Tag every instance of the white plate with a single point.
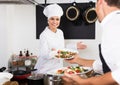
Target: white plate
<point x="54" y="72"/>
<point x="54" y="53"/>
<point x="88" y="70"/>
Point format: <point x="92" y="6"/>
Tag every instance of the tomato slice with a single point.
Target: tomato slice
<point x="68" y="67"/>
<point x="71" y="72"/>
<point x="77" y="71"/>
<point x="58" y="51"/>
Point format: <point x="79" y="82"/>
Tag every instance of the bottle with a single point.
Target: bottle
<point x="27" y="53"/>
<point x="31" y="54"/>
<point x="20" y="54"/>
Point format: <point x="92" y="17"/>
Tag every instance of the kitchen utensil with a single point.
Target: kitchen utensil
<point x="22" y="74"/>
<point x="89" y="15"/>
<point x="73" y="12"/>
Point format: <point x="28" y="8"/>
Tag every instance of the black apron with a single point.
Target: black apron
<point x="104" y="65"/>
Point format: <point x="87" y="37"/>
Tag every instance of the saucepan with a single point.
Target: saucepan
<point x="36" y="79"/>
<point x="52" y="80"/>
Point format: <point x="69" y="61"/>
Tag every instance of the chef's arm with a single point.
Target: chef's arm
<point x="78" y="60"/>
<point x="105" y="79"/>
<point x="44" y="48"/>
<point x="76" y="45"/>
<point x="85" y="62"/>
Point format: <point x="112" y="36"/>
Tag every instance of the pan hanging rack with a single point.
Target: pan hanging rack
<point x="36" y="3"/>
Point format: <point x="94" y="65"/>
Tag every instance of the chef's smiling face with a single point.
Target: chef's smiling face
<point x="54" y="22"/>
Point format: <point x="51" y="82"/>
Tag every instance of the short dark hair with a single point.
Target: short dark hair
<point x="115" y="3"/>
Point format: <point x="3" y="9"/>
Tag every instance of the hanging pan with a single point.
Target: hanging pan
<point x="89" y="15"/>
<point x="73" y="12"/>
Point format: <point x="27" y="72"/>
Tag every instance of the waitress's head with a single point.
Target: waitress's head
<point x="53" y="12"/>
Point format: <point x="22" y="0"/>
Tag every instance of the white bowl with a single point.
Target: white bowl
<point x="4" y="77"/>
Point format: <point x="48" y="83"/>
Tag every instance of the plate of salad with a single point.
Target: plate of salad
<point x="78" y="70"/>
<point x="65" y="53"/>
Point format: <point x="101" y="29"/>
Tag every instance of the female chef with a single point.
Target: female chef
<point x="52" y="38"/>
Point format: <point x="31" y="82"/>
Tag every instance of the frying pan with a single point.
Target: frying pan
<point x="89" y="15"/>
<point x="73" y="12"/>
<point x="22" y="74"/>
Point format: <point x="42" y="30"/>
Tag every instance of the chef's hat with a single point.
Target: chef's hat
<point x="53" y="10"/>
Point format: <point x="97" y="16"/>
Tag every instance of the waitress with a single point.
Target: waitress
<point x="51" y="39"/>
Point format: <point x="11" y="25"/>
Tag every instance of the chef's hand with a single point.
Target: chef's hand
<point x="67" y="80"/>
<point x="81" y="45"/>
<point x="71" y="78"/>
<point x="74" y="60"/>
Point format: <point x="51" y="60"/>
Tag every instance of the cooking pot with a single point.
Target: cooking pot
<point x="35" y="79"/>
<point x="89" y="15"/>
<point x="73" y="12"/>
<point x="52" y="80"/>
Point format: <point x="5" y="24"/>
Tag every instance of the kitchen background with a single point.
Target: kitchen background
<point x="18" y="31"/>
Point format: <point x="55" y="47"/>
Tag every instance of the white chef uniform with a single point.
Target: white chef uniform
<point x="110" y="45"/>
<point x="49" y="40"/>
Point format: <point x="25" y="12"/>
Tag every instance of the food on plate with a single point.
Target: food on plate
<point x="65" y="54"/>
<point x="60" y="71"/>
<point x="72" y="70"/>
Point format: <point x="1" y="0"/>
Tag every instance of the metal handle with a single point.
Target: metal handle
<point x="55" y="80"/>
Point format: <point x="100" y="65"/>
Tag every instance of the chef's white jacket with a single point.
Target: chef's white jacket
<point x="49" y="40"/>
<point x="110" y="44"/>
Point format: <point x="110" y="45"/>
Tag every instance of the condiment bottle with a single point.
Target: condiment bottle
<point x="27" y="53"/>
<point x="21" y="54"/>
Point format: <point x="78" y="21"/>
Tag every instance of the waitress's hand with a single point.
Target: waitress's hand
<point x="81" y="45"/>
